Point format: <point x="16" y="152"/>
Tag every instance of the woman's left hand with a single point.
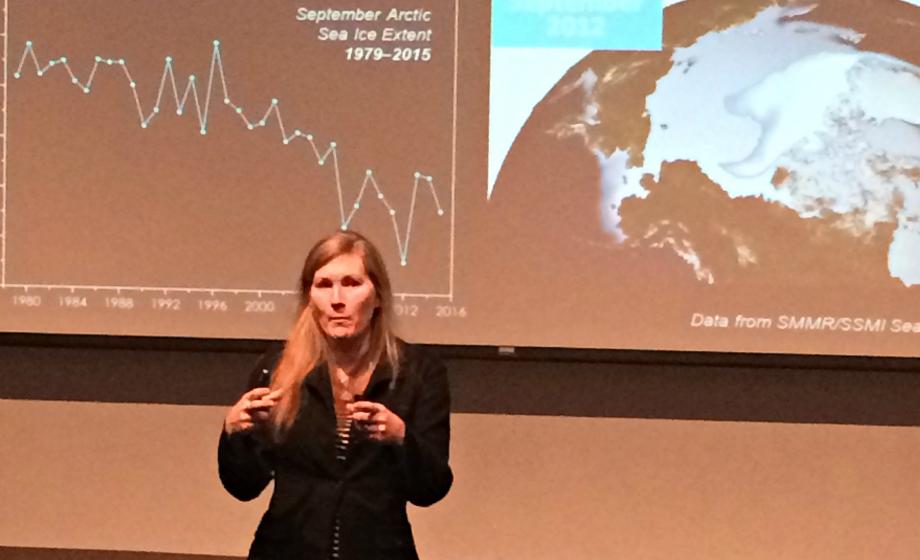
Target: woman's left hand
<point x="377" y="421"/>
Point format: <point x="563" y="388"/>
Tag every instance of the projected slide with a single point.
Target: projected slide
<point x="712" y="175"/>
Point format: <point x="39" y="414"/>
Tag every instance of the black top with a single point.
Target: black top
<point x="368" y="491"/>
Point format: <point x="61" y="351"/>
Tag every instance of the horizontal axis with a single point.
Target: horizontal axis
<point x="423" y="296"/>
<point x="160" y="289"/>
<point x="188" y="290"/>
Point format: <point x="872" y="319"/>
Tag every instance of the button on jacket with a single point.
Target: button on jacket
<point x="368" y="491"/>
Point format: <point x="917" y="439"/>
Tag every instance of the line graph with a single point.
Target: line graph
<point x="167" y="174"/>
<point x="406" y="192"/>
<point x="202" y="109"/>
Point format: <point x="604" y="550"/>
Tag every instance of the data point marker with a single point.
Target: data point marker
<point x="440" y="212"/>
<point x="392" y="211"/>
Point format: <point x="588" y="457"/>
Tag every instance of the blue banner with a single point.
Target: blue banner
<point x="587" y="24"/>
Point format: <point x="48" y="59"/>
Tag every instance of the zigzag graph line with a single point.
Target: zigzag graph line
<point x="202" y="112"/>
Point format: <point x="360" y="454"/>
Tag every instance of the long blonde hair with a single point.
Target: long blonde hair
<point x="307" y="347"/>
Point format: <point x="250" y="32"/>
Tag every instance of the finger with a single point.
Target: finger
<point x="274" y="395"/>
<point x="245" y="403"/>
<point x="364" y="417"/>
<point x="368" y="424"/>
<point x="373" y="427"/>
<point x="256" y="393"/>
<point x="378" y="433"/>
<point x="366" y="406"/>
<point x="369" y="407"/>
<point x="261" y="404"/>
<point x="374" y="434"/>
<point x="266" y="401"/>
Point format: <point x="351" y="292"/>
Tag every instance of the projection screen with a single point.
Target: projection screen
<point x="713" y="175"/>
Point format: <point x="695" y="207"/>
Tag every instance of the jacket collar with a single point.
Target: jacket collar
<point x="318" y="381"/>
<point x="382" y="379"/>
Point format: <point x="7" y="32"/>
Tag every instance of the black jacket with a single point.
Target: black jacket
<point x="369" y="490"/>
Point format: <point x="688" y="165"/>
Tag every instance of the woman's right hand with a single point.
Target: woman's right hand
<point x="253" y="409"/>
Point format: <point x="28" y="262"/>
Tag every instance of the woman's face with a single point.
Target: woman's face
<point x="343" y="297"/>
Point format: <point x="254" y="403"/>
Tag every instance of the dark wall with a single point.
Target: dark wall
<point x="627" y="384"/>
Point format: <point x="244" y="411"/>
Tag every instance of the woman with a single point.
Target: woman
<point x="353" y="424"/>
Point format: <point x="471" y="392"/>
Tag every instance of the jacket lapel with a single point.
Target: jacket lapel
<point x="380" y="382"/>
<point x="317" y="382"/>
<point x="317" y="416"/>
